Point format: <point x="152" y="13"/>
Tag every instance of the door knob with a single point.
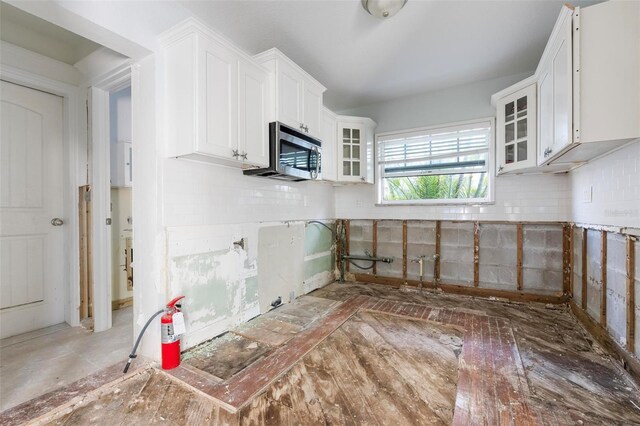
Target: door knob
<point x="56" y="221"/>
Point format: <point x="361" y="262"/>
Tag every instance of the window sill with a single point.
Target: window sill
<point x="440" y="203"/>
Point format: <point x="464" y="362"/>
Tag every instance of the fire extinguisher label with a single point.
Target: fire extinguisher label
<point x="178" y="324"/>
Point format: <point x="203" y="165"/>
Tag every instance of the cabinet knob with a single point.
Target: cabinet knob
<point x="500" y="168"/>
<point x="235" y="153"/>
<point x="244" y="156"/>
<point x="362" y="178"/>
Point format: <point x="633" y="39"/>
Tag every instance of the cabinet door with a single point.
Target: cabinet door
<point x="351" y="152"/>
<point x="516" y="130"/>
<point x="218" y="108"/>
<point x="562" y="92"/>
<point x="253" y="128"/>
<point x="289" y="96"/>
<point x="545" y="116"/>
<point x="555" y="91"/>
<point x="329" y="146"/>
<point x="312" y="109"/>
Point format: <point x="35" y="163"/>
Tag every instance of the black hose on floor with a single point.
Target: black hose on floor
<point x="133" y="355"/>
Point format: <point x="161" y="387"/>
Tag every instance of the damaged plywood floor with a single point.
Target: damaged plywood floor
<point x="570" y="378"/>
<point x="371" y="368"/>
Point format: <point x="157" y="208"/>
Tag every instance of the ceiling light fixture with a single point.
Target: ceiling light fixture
<point x="383" y="8"/>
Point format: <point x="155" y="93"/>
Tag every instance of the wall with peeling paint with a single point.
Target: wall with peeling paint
<point x="226" y="284"/>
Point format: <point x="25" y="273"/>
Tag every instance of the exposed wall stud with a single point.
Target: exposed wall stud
<point x="374" y="246"/>
<point x="584" y="269"/>
<point x="571" y="249"/>
<point x="519" y="256"/>
<point x="347" y="233"/>
<point x="476" y="254"/>
<point x="437" y="254"/>
<point x="603" y="274"/>
<point x="631" y="295"/>
<point x="566" y="256"/>
<point x="404" y="250"/>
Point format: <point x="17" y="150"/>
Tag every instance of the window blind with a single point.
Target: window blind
<point x="436" y="151"/>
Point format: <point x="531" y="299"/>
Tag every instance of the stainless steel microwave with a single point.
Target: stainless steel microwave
<point x="293" y="155"/>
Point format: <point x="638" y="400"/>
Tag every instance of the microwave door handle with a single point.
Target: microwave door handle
<point x="314" y="172"/>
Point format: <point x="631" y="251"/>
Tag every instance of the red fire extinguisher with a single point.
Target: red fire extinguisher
<point x="171" y="335"/>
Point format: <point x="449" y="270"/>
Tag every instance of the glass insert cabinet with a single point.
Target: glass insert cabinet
<point x="355" y="149"/>
<point x="516" y="131"/>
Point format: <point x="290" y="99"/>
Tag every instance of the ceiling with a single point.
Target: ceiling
<point x="32" y="33"/>
<point x="428" y="45"/>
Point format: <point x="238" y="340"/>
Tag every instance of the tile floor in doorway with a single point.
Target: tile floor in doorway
<point x="34" y="363"/>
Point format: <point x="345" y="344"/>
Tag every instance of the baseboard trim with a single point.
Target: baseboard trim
<point x="122" y="303"/>
<point x="516" y="296"/>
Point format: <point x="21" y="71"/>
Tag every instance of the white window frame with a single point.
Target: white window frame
<point x="490" y="197"/>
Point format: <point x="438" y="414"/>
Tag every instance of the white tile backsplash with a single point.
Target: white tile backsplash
<point x="518" y="198"/>
<point x="200" y="194"/>
<point x="614" y="181"/>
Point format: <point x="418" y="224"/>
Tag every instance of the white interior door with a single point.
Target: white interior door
<point x="32" y="285"/>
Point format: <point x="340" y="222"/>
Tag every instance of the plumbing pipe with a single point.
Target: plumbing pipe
<point x="369" y="258"/>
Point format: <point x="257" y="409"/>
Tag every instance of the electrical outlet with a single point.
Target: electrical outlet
<point x="587" y="194"/>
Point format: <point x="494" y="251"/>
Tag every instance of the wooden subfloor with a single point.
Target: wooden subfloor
<point x="393" y="357"/>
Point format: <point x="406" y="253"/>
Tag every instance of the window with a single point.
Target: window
<point x="436" y="165"/>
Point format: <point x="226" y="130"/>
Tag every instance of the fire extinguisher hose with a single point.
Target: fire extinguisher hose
<point x="133" y="355"/>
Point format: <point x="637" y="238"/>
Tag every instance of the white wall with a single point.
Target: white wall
<point x="615" y="183"/>
<point x="518" y="198"/>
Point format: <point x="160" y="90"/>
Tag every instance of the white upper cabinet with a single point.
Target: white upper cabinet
<point x="588" y="87"/>
<point x="355" y="149"/>
<point x="297" y="97"/>
<point x="253" y="128"/>
<point x="516" y="128"/>
<point x="555" y="89"/>
<point x="589" y="83"/>
<point x="328" y="135"/>
<point x="606" y="79"/>
<point x="216" y="99"/>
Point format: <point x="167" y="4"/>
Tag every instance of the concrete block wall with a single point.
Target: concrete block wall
<point x="542" y="258"/>
<point x="421" y="241"/>
<point x="360" y="240"/>
<point x="390" y="245"/>
<point x="594" y="283"/>
<point x="577" y="265"/>
<point x="542" y="253"/>
<point x="456" y="253"/>
<point x="617" y="287"/>
<point x="616" y="282"/>
<point x="498" y="256"/>
<point x="636" y="286"/>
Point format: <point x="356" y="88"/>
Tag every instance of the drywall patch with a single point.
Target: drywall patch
<point x="217" y="277"/>
<point x="281" y="249"/>
<point x="319" y="259"/>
